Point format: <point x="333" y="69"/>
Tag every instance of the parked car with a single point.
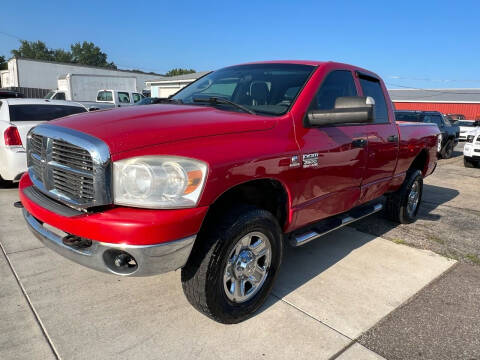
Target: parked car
<point x="471" y="149"/>
<point x="17" y="117"/>
<point x="8" y="94"/>
<point x="449" y="133"/>
<point x="465" y="127"/>
<point x="217" y="180"/>
<point x="150" y="100"/>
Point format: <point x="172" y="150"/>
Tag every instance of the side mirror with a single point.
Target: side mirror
<point x="347" y="110"/>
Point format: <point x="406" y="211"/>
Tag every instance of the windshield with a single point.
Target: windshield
<point x="49" y="95"/>
<point x="262" y="88"/>
<point x="42" y="112"/>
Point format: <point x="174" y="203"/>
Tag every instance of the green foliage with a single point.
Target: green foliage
<point x="3" y="63"/>
<point x="34" y="50"/>
<point x="179" y="71"/>
<point x="86" y="53"/>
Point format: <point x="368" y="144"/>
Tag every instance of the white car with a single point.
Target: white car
<point x="465" y="127"/>
<point x="471" y="150"/>
<point x="17" y="117"/>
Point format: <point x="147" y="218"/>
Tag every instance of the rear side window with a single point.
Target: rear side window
<point x="136" y="97"/>
<point x="337" y="84"/>
<point x="42" y="112"/>
<point x="123" y="97"/>
<point x="435" y="119"/>
<point x="60" y="96"/>
<point x="371" y="87"/>
<point x="104" y="96"/>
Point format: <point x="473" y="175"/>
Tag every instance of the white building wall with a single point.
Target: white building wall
<point x="44" y="75"/>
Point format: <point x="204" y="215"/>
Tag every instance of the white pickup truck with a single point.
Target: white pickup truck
<point x="17" y="117"/>
<point x="471" y="149"/>
<point x="116" y="98"/>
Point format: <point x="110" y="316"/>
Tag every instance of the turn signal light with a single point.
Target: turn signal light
<point x="12" y="137"/>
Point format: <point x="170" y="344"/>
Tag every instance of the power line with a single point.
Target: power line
<point x="10" y="35"/>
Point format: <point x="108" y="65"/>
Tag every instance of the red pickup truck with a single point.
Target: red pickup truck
<point x="220" y="177"/>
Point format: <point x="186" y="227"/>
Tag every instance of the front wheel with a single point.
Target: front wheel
<point x="402" y="206"/>
<point x="233" y="265"/>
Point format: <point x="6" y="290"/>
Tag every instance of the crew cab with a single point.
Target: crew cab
<point x="450" y="133"/>
<point x="217" y="181"/>
<point x="471" y="149"/>
<point x="17" y="117"/>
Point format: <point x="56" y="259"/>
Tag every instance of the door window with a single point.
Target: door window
<point x="123" y="98"/>
<point x="104" y="96"/>
<point x="337" y="84"/>
<point x="371" y="87"/>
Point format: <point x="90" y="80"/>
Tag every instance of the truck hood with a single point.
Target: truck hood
<point x="132" y="127"/>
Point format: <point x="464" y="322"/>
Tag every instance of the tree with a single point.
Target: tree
<point x="3" y="63"/>
<point x="61" y="55"/>
<point x="34" y="50"/>
<point x="87" y="53"/>
<point x="179" y="71"/>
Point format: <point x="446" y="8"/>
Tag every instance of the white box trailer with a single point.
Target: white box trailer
<point x="84" y="87"/>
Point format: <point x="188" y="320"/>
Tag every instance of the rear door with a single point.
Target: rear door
<point x="333" y="157"/>
<point x="383" y="141"/>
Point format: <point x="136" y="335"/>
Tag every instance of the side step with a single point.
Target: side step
<point x="328" y="225"/>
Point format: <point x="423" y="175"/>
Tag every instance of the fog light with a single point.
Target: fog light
<point x="120" y="262"/>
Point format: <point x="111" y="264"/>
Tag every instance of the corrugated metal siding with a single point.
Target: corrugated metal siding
<point x="471" y="111"/>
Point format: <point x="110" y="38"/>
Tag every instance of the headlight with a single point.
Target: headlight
<point x="158" y="182"/>
<point x="470" y="138"/>
<point x="439" y="142"/>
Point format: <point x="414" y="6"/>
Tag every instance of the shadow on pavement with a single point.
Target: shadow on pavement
<point x="300" y="265"/>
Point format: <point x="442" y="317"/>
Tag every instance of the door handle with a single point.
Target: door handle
<point x="359" y="143"/>
<point x="392" y="138"/>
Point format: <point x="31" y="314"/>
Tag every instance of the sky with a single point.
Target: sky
<point x="418" y="44"/>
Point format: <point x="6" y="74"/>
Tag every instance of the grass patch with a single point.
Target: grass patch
<point x="436" y="239"/>
<point x="399" y="241"/>
<point x="473" y="258"/>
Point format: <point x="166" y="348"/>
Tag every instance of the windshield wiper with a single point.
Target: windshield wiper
<point x="218" y="100"/>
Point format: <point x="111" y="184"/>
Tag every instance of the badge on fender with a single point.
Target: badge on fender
<point x="310" y="160"/>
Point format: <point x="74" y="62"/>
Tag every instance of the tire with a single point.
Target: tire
<point x="447" y="150"/>
<point x="5" y="183"/>
<point x="397" y="204"/>
<point x="203" y="277"/>
<point x="469" y="163"/>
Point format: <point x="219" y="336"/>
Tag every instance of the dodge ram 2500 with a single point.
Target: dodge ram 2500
<point x="221" y="177"/>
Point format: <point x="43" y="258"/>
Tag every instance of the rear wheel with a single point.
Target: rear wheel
<point x="447" y="151"/>
<point x="233" y="265"/>
<point x="402" y="206"/>
<point x="469" y="163"/>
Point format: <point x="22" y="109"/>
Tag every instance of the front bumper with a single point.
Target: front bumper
<point x="158" y="240"/>
<point x="148" y="259"/>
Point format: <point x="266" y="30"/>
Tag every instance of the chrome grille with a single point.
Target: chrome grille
<point x="70" y="166"/>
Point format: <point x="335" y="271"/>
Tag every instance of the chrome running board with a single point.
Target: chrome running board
<point x="336" y="222"/>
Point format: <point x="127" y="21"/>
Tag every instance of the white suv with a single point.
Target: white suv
<point x="471" y="150"/>
<point x="17" y="117"/>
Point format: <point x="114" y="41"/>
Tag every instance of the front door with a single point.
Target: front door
<point x="333" y="157"/>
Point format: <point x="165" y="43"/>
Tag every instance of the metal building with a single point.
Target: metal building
<point x="447" y="101"/>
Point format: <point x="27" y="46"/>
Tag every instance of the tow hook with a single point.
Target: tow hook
<point x="18" y="204"/>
